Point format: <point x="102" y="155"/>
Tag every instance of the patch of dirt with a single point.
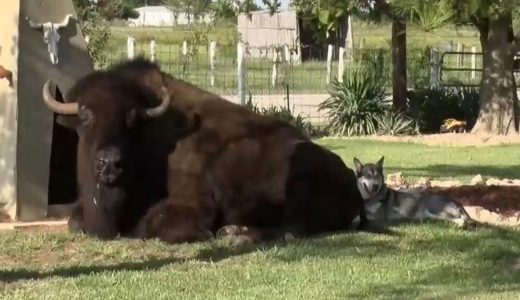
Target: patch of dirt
<point x="4" y="218"/>
<point x="450" y="139"/>
<point x="504" y="200"/>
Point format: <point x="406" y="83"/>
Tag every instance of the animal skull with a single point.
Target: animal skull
<point x="51" y="35"/>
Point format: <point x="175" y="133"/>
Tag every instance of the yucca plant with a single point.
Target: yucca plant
<point x="355" y="105"/>
<point x="396" y="123"/>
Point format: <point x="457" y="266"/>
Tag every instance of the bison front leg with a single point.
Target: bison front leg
<point x="173" y="224"/>
<point x="75" y="218"/>
<point x="248" y="235"/>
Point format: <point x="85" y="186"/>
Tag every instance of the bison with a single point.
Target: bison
<point x="196" y="165"/>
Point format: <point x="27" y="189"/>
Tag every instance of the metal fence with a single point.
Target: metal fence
<point x="269" y="79"/>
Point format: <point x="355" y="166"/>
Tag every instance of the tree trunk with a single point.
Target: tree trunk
<point x="497" y="113"/>
<point x="399" y="64"/>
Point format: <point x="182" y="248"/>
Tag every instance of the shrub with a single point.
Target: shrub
<point x="356" y="104"/>
<point x="431" y="106"/>
<point x="396" y="123"/>
<point x="96" y="29"/>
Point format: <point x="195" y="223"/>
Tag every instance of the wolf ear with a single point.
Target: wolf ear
<point x="380" y="162"/>
<point x="358" y="165"/>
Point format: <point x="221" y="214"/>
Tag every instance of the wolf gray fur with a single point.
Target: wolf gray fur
<point x="383" y="203"/>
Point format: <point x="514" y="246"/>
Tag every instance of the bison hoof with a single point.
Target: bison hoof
<point x="289" y="237"/>
<point x="241" y="240"/>
<point x="74" y="226"/>
<point x="231" y="230"/>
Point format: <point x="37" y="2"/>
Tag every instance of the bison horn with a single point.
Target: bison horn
<point x="55" y="105"/>
<point x="161" y="108"/>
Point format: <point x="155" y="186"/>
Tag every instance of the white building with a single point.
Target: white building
<point x="163" y="16"/>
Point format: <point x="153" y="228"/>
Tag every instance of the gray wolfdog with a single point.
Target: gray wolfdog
<point x="383" y="203"/>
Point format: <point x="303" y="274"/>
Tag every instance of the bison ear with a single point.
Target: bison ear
<point x="380" y="162"/>
<point x="358" y="165"/>
<point x="68" y="121"/>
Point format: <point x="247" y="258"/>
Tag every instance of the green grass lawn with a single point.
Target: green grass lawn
<point x="436" y="162"/>
<point x="413" y="261"/>
<point x="433" y="261"/>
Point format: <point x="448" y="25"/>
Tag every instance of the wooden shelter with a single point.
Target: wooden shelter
<point x="40" y="39"/>
<point x="262" y="32"/>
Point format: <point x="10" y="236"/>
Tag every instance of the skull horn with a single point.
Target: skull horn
<point x="33" y="24"/>
<point x="161" y="108"/>
<point x="65" y="21"/>
<point x="57" y="106"/>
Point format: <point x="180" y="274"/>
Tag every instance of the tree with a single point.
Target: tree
<point x="93" y="26"/>
<point x="498" y="100"/>
<point x="493" y="20"/>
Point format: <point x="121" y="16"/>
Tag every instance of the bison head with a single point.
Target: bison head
<point x="106" y="109"/>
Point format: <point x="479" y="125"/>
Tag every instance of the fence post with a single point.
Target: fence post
<point x="130" y="46"/>
<point x="185" y="48"/>
<point x="152" y="50"/>
<point x="349" y="45"/>
<point x="287" y="53"/>
<point x="329" y="62"/>
<point x="362" y="43"/>
<point x="473" y="61"/>
<point x="434" y="68"/>
<point x="241" y="73"/>
<point x="274" y="73"/>
<point x="341" y="63"/>
<point x="212" y="48"/>
<point x="460" y="48"/>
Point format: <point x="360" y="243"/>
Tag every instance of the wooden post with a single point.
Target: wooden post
<point x="459" y="60"/>
<point x="349" y="42"/>
<point x="399" y="78"/>
<point x="434" y="68"/>
<point x="473" y="61"/>
<point x="329" y="62"/>
<point x="184" y="48"/>
<point x="130" y="46"/>
<point x="274" y="73"/>
<point x="152" y="50"/>
<point x="212" y="48"/>
<point x="241" y="74"/>
<point x="341" y="63"/>
<point x="362" y="43"/>
<point x="287" y="53"/>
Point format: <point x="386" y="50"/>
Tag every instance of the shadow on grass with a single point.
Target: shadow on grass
<point x="218" y="253"/>
<point x="457" y="170"/>
<point x="26" y="274"/>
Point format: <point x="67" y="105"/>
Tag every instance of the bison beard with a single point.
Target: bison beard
<point x="210" y="164"/>
<point x="101" y="216"/>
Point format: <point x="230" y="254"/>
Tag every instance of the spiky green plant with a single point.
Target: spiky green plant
<point x="355" y="105"/>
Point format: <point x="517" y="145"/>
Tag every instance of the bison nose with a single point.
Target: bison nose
<point x="109" y="165"/>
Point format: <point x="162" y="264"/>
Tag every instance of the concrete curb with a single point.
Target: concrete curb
<point x="31" y="225"/>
